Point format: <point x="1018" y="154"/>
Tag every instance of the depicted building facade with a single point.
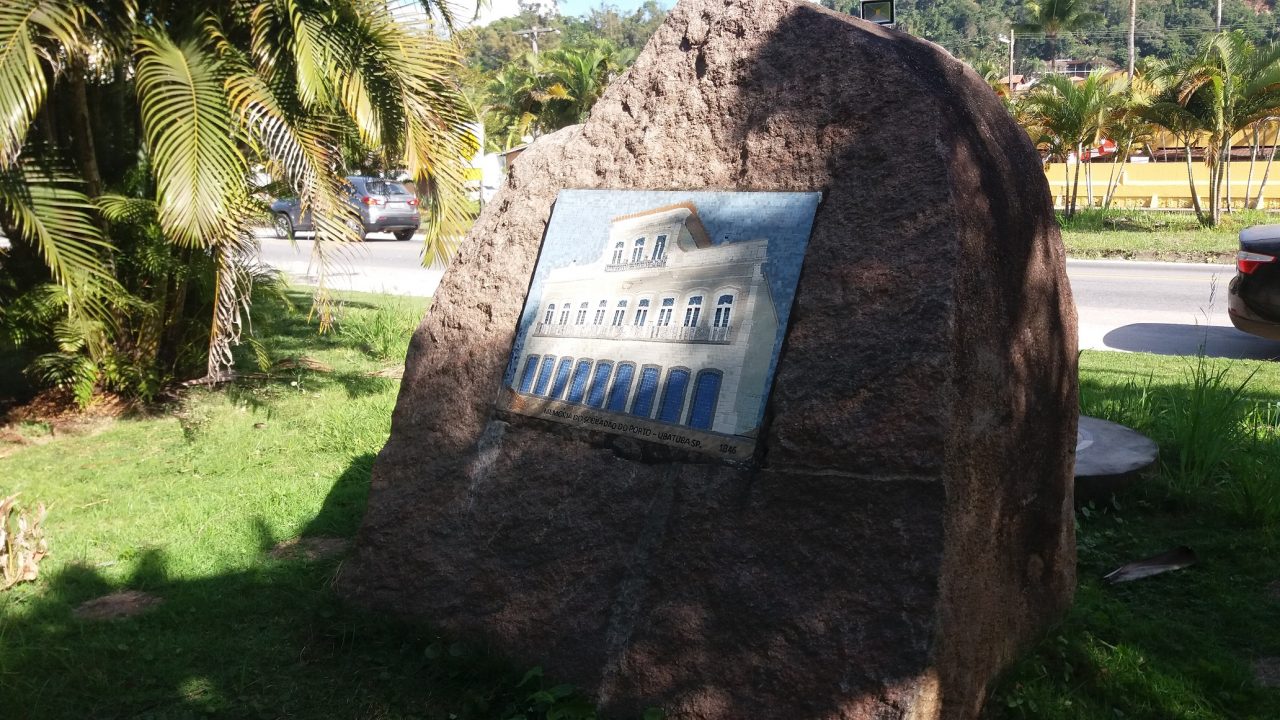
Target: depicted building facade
<point x="663" y="326"/>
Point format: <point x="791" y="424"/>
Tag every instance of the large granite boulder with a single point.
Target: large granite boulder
<point x="906" y="526"/>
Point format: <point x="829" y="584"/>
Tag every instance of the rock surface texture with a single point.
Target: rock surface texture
<point x="907" y="526"/>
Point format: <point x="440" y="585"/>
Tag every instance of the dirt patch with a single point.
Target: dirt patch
<point x="54" y="413"/>
<point x="310" y="548"/>
<point x="117" y="605"/>
<point x="1266" y="672"/>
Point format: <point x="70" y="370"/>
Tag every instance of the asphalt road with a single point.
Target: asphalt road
<point x="1164" y="308"/>
<point x="380" y="264"/>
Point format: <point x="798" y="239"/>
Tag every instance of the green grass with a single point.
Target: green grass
<point x="186" y="505"/>
<point x="1141" y="235"/>
<point x="1178" y="645"/>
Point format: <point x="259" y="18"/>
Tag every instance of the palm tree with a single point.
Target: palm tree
<point x="542" y="93"/>
<point x="1127" y="127"/>
<point x="219" y="87"/>
<point x="1052" y="18"/>
<point x="1067" y="117"/>
<point x="1229" y="85"/>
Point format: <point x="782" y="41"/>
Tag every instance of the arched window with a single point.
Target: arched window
<point x="600" y="311"/>
<point x="530" y="370"/>
<point x="659" y="247"/>
<point x="637" y="253"/>
<point x="620" y="313"/>
<point x="551" y="314"/>
<point x="692" y="311"/>
<point x="618" y="249"/>
<point x="564" y="314"/>
<point x="599" y="384"/>
<point x="724" y="306"/>
<point x="664" y="312"/>
<point x="621" y="388"/>
<point x="642" y="406"/>
<point x="544" y="375"/>
<point x="642" y="312"/>
<point x="562" y="378"/>
<point x="706" y="394"/>
<point x="582" y="314"/>
<point x="673" y="395"/>
<point x="578" y="383"/>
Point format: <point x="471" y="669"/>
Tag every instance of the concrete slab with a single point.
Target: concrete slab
<point x="1109" y="457"/>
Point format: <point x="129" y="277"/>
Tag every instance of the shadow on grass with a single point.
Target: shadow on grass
<point x="269" y="641"/>
<point x="1178" y="645"/>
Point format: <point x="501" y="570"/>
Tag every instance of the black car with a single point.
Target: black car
<point x="384" y="206"/>
<point x="1253" y="301"/>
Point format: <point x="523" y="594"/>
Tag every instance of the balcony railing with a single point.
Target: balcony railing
<point x="640" y="265"/>
<point x="648" y="333"/>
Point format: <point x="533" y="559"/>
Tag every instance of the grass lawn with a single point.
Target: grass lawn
<point x="187" y="505"/>
<point x="1183" y="644"/>
<point x="1141" y="235"/>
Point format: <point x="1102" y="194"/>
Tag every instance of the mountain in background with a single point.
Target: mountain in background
<point x="972" y="30"/>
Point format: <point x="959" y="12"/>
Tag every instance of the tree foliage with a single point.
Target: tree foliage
<point x="169" y="106"/>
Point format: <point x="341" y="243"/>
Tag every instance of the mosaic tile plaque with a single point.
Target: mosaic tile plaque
<point x="660" y="315"/>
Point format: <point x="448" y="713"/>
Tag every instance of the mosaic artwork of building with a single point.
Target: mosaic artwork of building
<point x="664" y="326"/>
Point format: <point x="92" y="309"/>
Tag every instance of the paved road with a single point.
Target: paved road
<point x="1166" y="308"/>
<point x="381" y="264"/>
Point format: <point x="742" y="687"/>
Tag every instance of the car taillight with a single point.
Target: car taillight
<point x="1247" y="262"/>
<point x="367" y="200"/>
<point x="413" y="202"/>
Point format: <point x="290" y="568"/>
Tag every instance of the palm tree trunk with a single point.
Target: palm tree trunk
<point x="1133" y="25"/>
<point x="1257" y="204"/>
<point x="1191" y="178"/>
<point x="1075" y="183"/>
<point x="1226" y="165"/>
<point x="1066" y="181"/>
<point x="1113" y="180"/>
<point x="1088" y="183"/>
<point x="81" y="128"/>
<point x="1253" y="156"/>
<point x="1053" y="53"/>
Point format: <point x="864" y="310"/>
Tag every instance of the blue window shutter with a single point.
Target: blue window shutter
<point x="705" y="393"/>
<point x="544" y="375"/>
<point x="648" y="390"/>
<point x="578" y="386"/>
<point x="530" y="370"/>
<point x="673" y="396"/>
<point x="562" y="378"/>
<point x="621" y="388"/>
<point x="599" y="383"/>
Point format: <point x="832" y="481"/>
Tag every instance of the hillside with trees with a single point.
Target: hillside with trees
<point x="972" y="30"/>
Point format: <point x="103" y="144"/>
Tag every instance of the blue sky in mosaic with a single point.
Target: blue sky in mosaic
<point x="579" y="230"/>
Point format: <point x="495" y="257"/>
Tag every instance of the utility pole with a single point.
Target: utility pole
<point x="1133" y="26"/>
<point x="533" y="33"/>
<point x="1009" y="40"/>
<point x="1219" y="14"/>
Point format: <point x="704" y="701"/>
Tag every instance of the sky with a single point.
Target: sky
<point x="506" y="8"/>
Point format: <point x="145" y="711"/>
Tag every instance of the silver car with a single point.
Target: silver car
<point x="384" y="205"/>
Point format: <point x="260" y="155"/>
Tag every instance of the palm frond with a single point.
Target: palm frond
<point x="47" y="210"/>
<point x="199" y="169"/>
<point x="23" y="25"/>
<point x="426" y="102"/>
